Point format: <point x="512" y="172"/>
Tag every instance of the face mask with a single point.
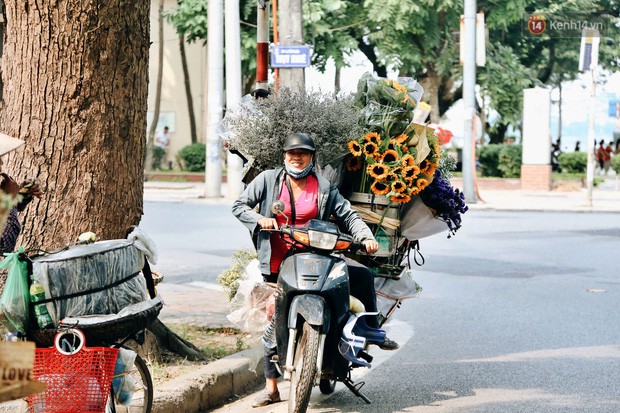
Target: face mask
<point x="299" y="174"/>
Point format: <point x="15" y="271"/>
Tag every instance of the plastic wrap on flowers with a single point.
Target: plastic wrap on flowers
<point x="391" y="291"/>
<point x="249" y="307"/>
<point x="418" y="221"/>
<point x="386" y="104"/>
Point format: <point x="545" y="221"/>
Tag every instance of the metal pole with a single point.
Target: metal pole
<point x="262" y="44"/>
<point x="591" y="137"/>
<point x="469" y="99"/>
<point x="215" y="93"/>
<point x="233" y="90"/>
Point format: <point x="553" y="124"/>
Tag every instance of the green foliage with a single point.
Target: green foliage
<point x="488" y="156"/>
<point x="501" y="160"/>
<point x="193" y="157"/>
<point x="615" y="163"/>
<point x="229" y="278"/>
<point x="189" y="19"/>
<point x="573" y="161"/>
<point x="158" y="157"/>
<point x="330" y="121"/>
<point x="510" y="157"/>
<point x="502" y="81"/>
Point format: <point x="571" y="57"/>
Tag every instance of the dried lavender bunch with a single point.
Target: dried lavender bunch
<point x="330" y="121"/>
<point x="448" y="202"/>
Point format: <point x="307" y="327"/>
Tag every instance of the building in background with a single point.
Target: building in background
<point x="173" y="110"/>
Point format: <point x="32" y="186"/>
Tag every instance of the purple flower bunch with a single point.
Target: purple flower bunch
<point x="448" y="202"/>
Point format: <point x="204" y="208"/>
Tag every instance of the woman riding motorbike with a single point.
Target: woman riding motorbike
<point x="306" y="196"/>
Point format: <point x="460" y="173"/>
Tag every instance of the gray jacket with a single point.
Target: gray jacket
<point x="265" y="189"/>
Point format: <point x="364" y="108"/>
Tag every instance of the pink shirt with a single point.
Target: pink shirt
<point x="306" y="208"/>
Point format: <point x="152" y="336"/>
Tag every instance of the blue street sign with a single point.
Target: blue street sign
<point x="290" y="56"/>
<point x="613" y="103"/>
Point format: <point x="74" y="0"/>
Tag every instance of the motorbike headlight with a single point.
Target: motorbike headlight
<point x="322" y="240"/>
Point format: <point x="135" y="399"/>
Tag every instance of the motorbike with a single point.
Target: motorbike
<point x="319" y="340"/>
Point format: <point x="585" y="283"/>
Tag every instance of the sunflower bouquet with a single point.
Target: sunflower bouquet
<point x="396" y="167"/>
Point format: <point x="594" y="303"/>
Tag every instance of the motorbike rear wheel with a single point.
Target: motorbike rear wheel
<point x="304" y="369"/>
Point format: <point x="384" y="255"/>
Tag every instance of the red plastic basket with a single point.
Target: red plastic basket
<point x="76" y="383"/>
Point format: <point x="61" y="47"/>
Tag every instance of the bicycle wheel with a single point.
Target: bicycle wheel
<point x="142" y="399"/>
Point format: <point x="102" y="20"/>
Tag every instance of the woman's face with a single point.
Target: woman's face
<point x="297" y="159"/>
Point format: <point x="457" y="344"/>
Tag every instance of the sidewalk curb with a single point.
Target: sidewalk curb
<point x="209" y="385"/>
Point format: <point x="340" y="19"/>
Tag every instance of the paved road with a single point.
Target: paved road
<point x="195" y="243"/>
<point x="519" y="313"/>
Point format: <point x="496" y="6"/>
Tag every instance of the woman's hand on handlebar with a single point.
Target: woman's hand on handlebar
<point x="371" y="246"/>
<point x="268" y="223"/>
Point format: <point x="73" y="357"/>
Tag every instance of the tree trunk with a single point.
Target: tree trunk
<point x="160" y="68"/>
<point x="188" y="90"/>
<point x="431" y="89"/>
<point x="75" y="89"/>
<point x="337" y="79"/>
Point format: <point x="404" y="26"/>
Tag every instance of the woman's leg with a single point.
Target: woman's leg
<point x="362" y="285"/>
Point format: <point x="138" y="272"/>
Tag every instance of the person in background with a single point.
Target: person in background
<point x="306" y="196"/>
<point x="24" y="192"/>
<point x="555" y="152"/>
<point x="600" y="155"/>
<point x="607" y="152"/>
<point x="577" y="146"/>
<point x="162" y="140"/>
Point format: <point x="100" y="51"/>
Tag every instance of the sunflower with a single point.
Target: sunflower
<point x="398" y="186"/>
<point x="392" y="145"/>
<point x="378" y="171"/>
<point x="373" y="137"/>
<point x="401" y="198"/>
<point x="353" y="164"/>
<point x="402" y="138"/>
<point x="410" y="172"/>
<point x="389" y="156"/>
<point x="380" y="188"/>
<point x="432" y="169"/>
<point x="421" y="183"/>
<point x="391" y="177"/>
<point x="425" y="166"/>
<point x="398" y="86"/>
<point x="408" y="160"/>
<point x="371" y="149"/>
<point x="354" y="148"/>
<point x="414" y="191"/>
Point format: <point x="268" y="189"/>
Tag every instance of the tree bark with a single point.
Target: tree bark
<point x="431" y="89"/>
<point x="75" y="89"/>
<point x="188" y="91"/>
<point x="160" y="68"/>
<point x="337" y="79"/>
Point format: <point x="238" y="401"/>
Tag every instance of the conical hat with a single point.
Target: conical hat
<point x="8" y="143"/>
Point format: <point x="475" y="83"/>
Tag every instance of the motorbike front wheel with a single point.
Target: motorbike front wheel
<point x="304" y="369"/>
<point x="327" y="386"/>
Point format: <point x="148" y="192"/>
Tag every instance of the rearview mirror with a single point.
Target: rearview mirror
<point x="277" y="207"/>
